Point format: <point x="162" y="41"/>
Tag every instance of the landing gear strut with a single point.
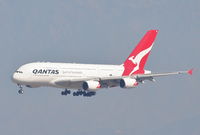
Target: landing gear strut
<point x="84" y="93"/>
<point x="66" y="92"/>
<point x="20" y="91"/>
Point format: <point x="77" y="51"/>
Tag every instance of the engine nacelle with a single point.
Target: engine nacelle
<point x="128" y="83"/>
<point x="91" y="85"/>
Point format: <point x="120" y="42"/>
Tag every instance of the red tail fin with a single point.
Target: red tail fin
<point x="136" y="61"/>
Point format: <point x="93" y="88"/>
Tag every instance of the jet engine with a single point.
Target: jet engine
<point x="91" y="85"/>
<point x="128" y="83"/>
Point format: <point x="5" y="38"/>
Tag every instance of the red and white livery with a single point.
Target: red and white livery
<point x="86" y="79"/>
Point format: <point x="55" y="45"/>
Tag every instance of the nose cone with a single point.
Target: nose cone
<point x="19" y="75"/>
<point x="15" y="78"/>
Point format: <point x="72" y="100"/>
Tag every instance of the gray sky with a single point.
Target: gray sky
<point x="104" y="32"/>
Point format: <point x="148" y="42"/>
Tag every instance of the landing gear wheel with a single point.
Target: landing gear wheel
<point x="20" y="91"/>
<point x="75" y="94"/>
<point x="66" y="92"/>
<point x="63" y="93"/>
<point x="89" y="94"/>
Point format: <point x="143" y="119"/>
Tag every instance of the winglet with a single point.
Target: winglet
<point x="190" y="71"/>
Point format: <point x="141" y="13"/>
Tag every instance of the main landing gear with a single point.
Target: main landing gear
<point x="66" y="92"/>
<point x="84" y="93"/>
<point x="79" y="93"/>
<point x="20" y="91"/>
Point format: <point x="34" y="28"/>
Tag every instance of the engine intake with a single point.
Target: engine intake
<point x="128" y="83"/>
<point x="91" y="85"/>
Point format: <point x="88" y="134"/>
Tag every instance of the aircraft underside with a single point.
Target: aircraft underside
<point x="65" y="92"/>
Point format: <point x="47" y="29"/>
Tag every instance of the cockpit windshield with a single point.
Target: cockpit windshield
<point x="17" y="71"/>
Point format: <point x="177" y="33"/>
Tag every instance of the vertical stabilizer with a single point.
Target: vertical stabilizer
<point x="136" y="61"/>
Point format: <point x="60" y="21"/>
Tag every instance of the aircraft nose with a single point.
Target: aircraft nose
<point x="15" y="78"/>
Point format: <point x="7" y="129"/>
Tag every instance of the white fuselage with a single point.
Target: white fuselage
<point x="88" y="78"/>
<point x="46" y="73"/>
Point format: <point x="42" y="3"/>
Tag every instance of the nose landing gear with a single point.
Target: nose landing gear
<point x="20" y="91"/>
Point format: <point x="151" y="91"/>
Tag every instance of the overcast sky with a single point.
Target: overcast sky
<point x="101" y="32"/>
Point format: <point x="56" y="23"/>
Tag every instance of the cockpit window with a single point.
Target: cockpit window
<point x="18" y="72"/>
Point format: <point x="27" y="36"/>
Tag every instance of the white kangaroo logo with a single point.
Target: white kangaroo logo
<point x="132" y="58"/>
<point x="136" y="59"/>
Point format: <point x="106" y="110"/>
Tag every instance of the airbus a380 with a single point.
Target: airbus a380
<point x="86" y="79"/>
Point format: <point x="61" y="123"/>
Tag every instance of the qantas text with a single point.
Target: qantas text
<point x="45" y="71"/>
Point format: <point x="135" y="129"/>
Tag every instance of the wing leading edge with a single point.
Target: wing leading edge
<point x="114" y="81"/>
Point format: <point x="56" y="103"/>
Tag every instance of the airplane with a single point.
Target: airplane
<point x="86" y="79"/>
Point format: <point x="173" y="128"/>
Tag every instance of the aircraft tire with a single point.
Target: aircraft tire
<point x="20" y="91"/>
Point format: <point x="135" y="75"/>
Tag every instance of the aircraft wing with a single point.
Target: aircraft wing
<point x="142" y="77"/>
<point x="113" y="81"/>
